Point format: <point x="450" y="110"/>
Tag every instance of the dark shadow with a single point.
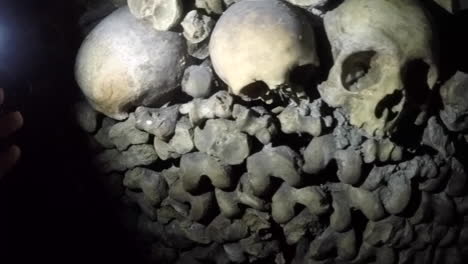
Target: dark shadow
<point x="53" y="208"/>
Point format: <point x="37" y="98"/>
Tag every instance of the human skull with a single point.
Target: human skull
<point x="261" y="40"/>
<point x="124" y="62"/>
<point x="373" y="45"/>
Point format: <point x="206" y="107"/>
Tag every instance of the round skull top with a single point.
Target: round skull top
<point x="261" y="40"/>
<point x="124" y="62"/>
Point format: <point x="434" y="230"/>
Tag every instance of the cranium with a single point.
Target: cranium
<point x="124" y="63"/>
<point x="374" y="43"/>
<point x="258" y="40"/>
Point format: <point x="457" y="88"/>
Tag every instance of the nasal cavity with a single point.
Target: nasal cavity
<point x="389" y="102"/>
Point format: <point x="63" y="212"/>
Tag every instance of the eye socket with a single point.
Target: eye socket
<point x="354" y="68"/>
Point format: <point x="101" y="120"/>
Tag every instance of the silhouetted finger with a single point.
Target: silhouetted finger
<point x="8" y="159"/>
<point x="9" y="123"/>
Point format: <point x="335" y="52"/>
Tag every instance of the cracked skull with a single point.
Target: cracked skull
<point x="375" y="44"/>
<point x="256" y="44"/>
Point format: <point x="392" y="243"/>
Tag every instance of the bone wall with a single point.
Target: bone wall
<point x="292" y="175"/>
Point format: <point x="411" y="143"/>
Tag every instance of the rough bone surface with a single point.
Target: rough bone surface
<point x="454" y="93"/>
<point x="284" y="200"/>
<point x="197" y="81"/>
<point x="279" y="162"/>
<point x="162" y="14"/>
<point x="194" y="166"/>
<point x="222" y="139"/>
<point x="160" y="122"/>
<point x="197" y="27"/>
<point x="124" y="63"/>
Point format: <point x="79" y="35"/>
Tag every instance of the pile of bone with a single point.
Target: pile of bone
<point x="221" y="176"/>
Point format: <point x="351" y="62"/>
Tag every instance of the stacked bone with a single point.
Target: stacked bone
<point x="228" y="177"/>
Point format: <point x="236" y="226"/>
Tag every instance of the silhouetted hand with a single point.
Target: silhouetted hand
<point x="9" y="123"/>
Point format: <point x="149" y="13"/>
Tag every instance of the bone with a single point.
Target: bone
<point x="218" y="105"/>
<point x="150" y="182"/>
<point x="241" y="35"/>
<point x="230" y="202"/>
<point x="136" y="155"/>
<point x="221" y="138"/>
<point x="160" y="122"/>
<point x="396" y="195"/>
<point x="171" y="209"/>
<point x="284" y="200"/>
<point x="392" y="231"/>
<point x="329" y="241"/>
<point x="308" y="3"/>
<point x="124" y="134"/>
<point x="172" y="234"/>
<point x="435" y="180"/>
<point x="235" y="252"/>
<point x="162" y="14"/>
<point x="86" y="117"/>
<point x="298" y="227"/>
<point x="197" y="27"/>
<point x="279" y="162"/>
<point x="258" y="222"/>
<point x="213" y="253"/>
<point x="222" y="230"/>
<point x="367" y="202"/>
<point x="195" y="165"/>
<point x="455" y="112"/>
<point x="200" y="50"/>
<point x="182" y="141"/>
<point x="370" y="254"/>
<point x="393" y="184"/>
<point x="461" y="204"/>
<point x="300" y="119"/>
<point x="349" y="166"/>
<point x="340" y="219"/>
<point x="255" y="121"/>
<point x="423" y="211"/>
<point x="436" y="138"/>
<point x="125" y="63"/>
<point x="319" y="153"/>
<point x="456" y="185"/>
<point x="139" y="155"/>
<point x="143" y="202"/>
<point x="164" y="150"/>
<point x="200" y="205"/>
<point x="228" y="3"/>
<point x="210" y="6"/>
<point x="450" y="237"/>
<point x="385" y="150"/>
<point x="197" y="81"/>
<point x="444" y="209"/>
<point x="354" y="82"/>
<point x="102" y="136"/>
<point x="258" y="248"/>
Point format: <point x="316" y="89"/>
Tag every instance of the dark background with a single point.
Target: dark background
<point x="51" y="207"/>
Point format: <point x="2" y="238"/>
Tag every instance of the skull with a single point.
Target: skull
<point x="374" y="43"/>
<point x="261" y="41"/>
<point x="124" y="63"/>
